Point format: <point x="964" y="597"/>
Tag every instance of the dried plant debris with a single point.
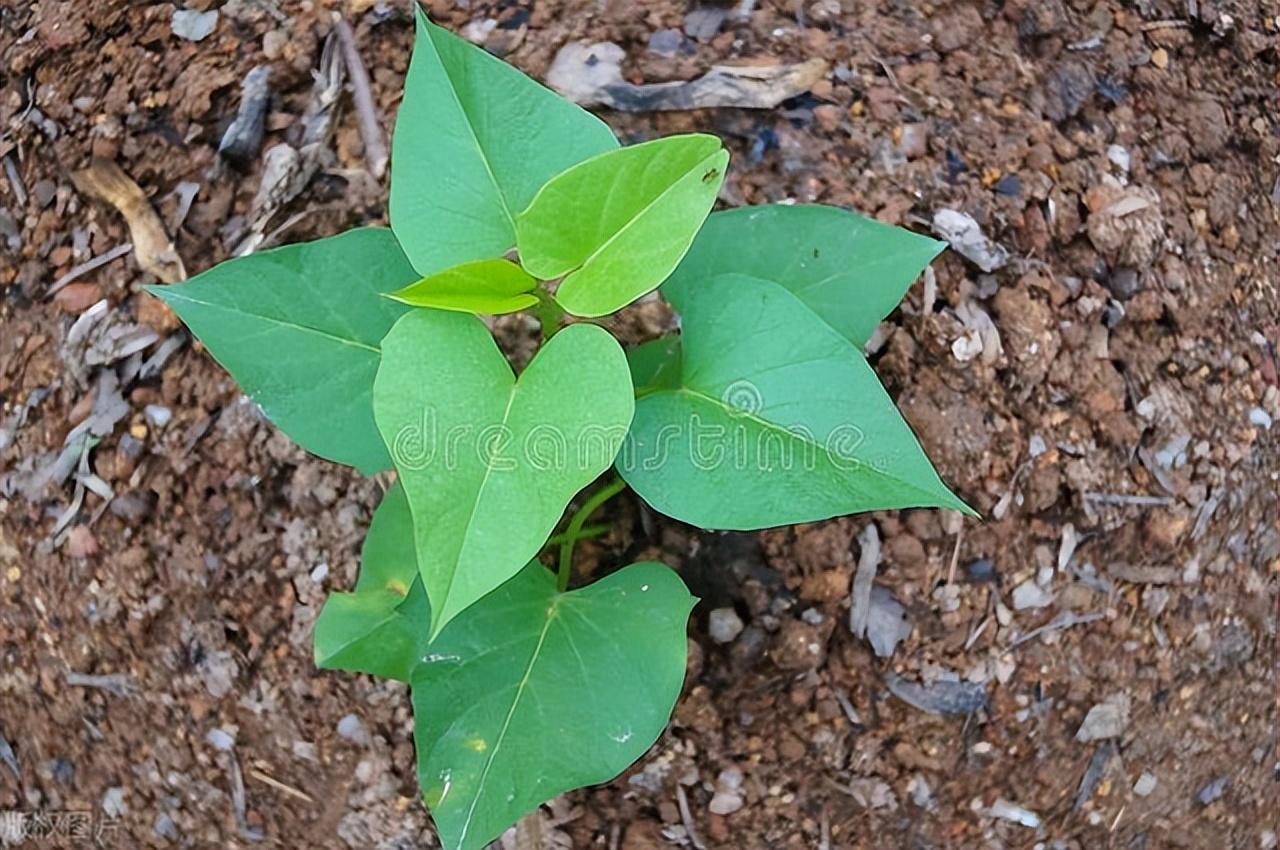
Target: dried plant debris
<point x="940" y="697"/>
<point x="590" y="74"/>
<point x="103" y="180"/>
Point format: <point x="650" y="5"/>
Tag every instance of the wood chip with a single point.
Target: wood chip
<point x="106" y="181"/>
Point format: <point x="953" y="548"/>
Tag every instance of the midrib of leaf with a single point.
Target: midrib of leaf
<point x="354" y="343"/>
<point x="643" y="211"/>
<point x="471" y="132"/>
<point x="506" y="723"/>
<point x="475" y="503"/>
<point x="788" y="433"/>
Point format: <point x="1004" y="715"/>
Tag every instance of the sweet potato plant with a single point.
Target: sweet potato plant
<point x="368" y="350"/>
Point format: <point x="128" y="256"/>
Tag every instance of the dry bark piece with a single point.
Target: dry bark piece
<point x="590" y="74"/>
<point x="106" y="181"/>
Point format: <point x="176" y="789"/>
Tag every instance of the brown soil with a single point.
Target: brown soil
<point x="1134" y="351"/>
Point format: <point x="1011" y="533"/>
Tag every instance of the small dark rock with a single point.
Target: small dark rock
<point x="44" y="192"/>
<point x="704" y="22"/>
<point x="982" y="570"/>
<point x="1233" y="647"/>
<point x="1068" y="88"/>
<point x="667" y="42"/>
<point x="1009" y="185"/>
<point x="1112" y="89"/>
<point x="1124" y="283"/>
<point x="1213" y="790"/>
<point x="940" y="697"/>
<point x="1042" y="18"/>
<point x="133" y="507"/>
<point x="749" y="648"/>
<point x="955" y="165"/>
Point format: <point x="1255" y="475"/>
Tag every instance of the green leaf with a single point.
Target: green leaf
<point x="655" y="365"/>
<point x="619" y="223"/>
<point x="489" y="463"/>
<point x="475" y="139"/>
<point x="382" y="628"/>
<point x="299" y="329"/>
<point x="776" y="420"/>
<point x="850" y="270"/>
<point x="532" y="693"/>
<point x="494" y="286"/>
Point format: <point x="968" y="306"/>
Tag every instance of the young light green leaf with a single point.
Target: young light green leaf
<point x="850" y="270"/>
<point x="532" y="693"/>
<point x="299" y="328"/>
<point x="777" y="420"/>
<point x="474" y="141"/>
<point x="493" y="286"/>
<point x="617" y="224"/>
<point x="382" y="628"/>
<point x="489" y="463"/>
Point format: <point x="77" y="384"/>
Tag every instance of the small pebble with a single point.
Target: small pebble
<point x="1145" y="785"/>
<point x="351" y="728"/>
<point x="724" y="625"/>
<point x="1259" y="417"/>
<point x="193" y="25"/>
<point x="113" y="802"/>
<point x="1013" y="813"/>
<point x="1213" y="791"/>
<point x="666" y="42"/>
<point x="157" y="415"/>
<point x="1107" y="719"/>
<point x="44" y="192"/>
<point x="320" y="573"/>
<point x="1119" y="157"/>
<point x="220" y="740"/>
<point x="1030" y="595"/>
<point x="1160" y="58"/>
<point x="165" y="827"/>
<point x="982" y="570"/>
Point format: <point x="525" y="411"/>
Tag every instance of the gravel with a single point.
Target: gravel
<point x="724" y="625"/>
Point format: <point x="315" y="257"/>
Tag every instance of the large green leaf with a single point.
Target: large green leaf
<point x="381" y="628"/>
<point x="493" y="286"/>
<point x="299" y="329"/>
<point x="489" y="463"/>
<point x="850" y="270"/>
<point x="532" y="693"/>
<point x="618" y="223"/>
<point x="777" y="419"/>
<point x="475" y="139"/>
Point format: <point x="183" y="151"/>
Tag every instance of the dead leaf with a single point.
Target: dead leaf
<point x="106" y="181"/>
<point x="591" y="75"/>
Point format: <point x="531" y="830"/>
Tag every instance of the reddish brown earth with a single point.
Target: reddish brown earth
<point x="1131" y="355"/>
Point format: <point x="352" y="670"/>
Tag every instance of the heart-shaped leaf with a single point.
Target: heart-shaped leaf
<point x="850" y="270"/>
<point x="493" y="286"/>
<point x="382" y="627"/>
<point x="776" y="420"/>
<point x="299" y="328"/>
<point x="532" y="693"/>
<point x="618" y="223"/>
<point x="475" y="139"/>
<point x="489" y="463"/>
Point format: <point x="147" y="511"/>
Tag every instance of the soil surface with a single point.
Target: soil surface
<point x="1105" y="398"/>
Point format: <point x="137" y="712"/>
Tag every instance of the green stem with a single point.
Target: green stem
<point x="587" y="533"/>
<point x="571" y="535"/>
<point x="548" y="313"/>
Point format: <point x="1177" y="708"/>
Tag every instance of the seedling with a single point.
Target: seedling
<point x="366" y="349"/>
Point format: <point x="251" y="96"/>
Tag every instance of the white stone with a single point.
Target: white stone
<point x="724" y="625"/>
<point x="1145" y="784"/>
